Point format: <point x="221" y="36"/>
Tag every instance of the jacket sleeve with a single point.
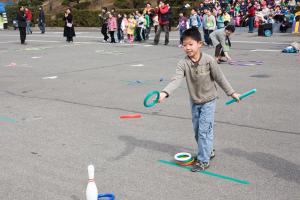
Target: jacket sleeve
<point x="219" y="77"/>
<point x="176" y="80"/>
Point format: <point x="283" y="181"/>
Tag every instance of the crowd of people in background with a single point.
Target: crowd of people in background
<point x="207" y="17"/>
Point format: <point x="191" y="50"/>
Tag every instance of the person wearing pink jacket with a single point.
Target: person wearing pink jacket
<point x="112" y="27"/>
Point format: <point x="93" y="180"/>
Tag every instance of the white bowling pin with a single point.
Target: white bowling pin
<point x="91" y="190"/>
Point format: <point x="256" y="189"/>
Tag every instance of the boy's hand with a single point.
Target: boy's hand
<point x="162" y="96"/>
<point x="236" y="96"/>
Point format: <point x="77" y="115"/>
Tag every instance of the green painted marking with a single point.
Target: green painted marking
<point x="7" y="119"/>
<point x="206" y="172"/>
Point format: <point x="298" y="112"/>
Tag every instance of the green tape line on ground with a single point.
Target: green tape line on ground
<point x="207" y="172"/>
<point x="7" y="119"/>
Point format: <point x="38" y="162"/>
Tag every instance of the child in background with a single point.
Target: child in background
<point x="182" y="25"/>
<point x="146" y="31"/>
<point x="220" y="20"/>
<point x="124" y="26"/>
<point x="210" y="25"/>
<point x="194" y="20"/>
<point x="227" y="18"/>
<point x="237" y="9"/>
<point x="131" y="28"/>
<point x="140" y="27"/>
<point x="201" y="73"/>
<point x="237" y="20"/>
<point x="221" y="41"/>
<point x="112" y="27"/>
<point x="270" y="19"/>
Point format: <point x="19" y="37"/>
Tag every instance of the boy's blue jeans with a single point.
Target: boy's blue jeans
<point x="203" y="121"/>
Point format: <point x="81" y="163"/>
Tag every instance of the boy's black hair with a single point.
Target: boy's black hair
<point x="230" y="28"/>
<point x="191" y="33"/>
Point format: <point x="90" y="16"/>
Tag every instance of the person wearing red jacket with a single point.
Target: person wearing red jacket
<point x="28" y="20"/>
<point x="163" y="18"/>
<point x="251" y="14"/>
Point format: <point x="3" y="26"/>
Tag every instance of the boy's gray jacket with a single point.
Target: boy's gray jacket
<point x="200" y="78"/>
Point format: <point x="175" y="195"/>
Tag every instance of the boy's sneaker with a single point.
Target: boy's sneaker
<point x="199" y="166"/>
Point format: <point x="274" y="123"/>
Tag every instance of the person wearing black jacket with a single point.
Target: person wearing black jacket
<point x="69" y="31"/>
<point x="120" y="31"/>
<point x="104" y="23"/>
<point x="21" y="17"/>
<point x="41" y="20"/>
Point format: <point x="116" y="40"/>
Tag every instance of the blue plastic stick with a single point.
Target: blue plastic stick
<point x="241" y="97"/>
<point x="110" y="196"/>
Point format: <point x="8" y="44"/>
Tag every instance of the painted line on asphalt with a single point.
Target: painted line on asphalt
<point x="7" y="119"/>
<point x="207" y="173"/>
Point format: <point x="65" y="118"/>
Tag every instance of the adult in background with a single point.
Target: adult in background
<point x="28" y="21"/>
<point x="69" y="31"/>
<point x="21" y="17"/>
<point x="41" y="20"/>
<point x="104" y="21"/>
<point x="251" y="16"/>
<point x="163" y="19"/>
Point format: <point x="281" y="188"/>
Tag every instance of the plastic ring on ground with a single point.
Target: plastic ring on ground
<point x="189" y="160"/>
<point x="155" y="92"/>
<point x="185" y="164"/>
<point x="182" y="157"/>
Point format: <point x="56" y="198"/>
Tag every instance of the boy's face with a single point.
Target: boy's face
<point x="180" y="14"/>
<point x="191" y="47"/>
<point x="228" y="33"/>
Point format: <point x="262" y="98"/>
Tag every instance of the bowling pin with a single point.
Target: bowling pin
<point x="91" y="189"/>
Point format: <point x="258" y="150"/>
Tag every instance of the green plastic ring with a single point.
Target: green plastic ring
<point x="155" y="92"/>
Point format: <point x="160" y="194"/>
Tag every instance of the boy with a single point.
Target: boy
<point x="201" y="72"/>
<point x="210" y="26"/>
<point x="194" y="20"/>
<point x="220" y="40"/>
